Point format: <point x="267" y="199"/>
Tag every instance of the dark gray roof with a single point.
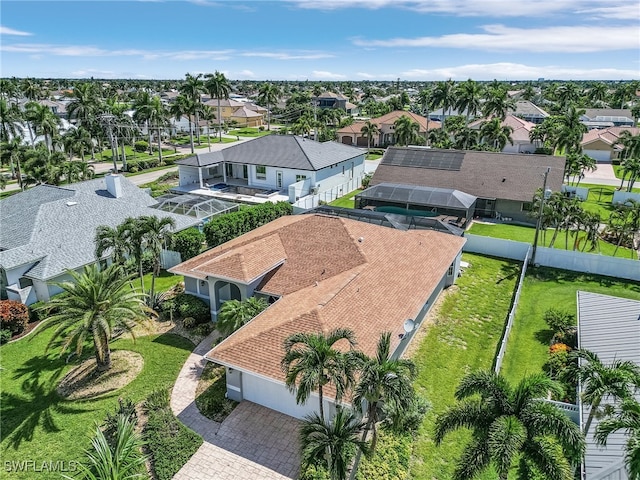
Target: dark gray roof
<point x="508" y="176"/>
<point x="529" y="109"/>
<point x="54" y="227"/>
<point x="595" y="113"/>
<point x="284" y="151"/>
<point x="416" y="195"/>
<point x="609" y="327"/>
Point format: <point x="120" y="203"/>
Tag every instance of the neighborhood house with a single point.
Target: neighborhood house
<point x="319" y="273"/>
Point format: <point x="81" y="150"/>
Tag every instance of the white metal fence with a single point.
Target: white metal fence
<point x="329" y="195"/>
<point x="169" y="258"/>
<point x="512" y="312"/>
<point x="496" y="247"/>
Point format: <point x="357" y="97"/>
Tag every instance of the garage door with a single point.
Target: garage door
<point x="275" y="396"/>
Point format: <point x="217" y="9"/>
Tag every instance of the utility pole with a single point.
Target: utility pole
<point x="108" y="121"/>
<point x="539" y="221"/>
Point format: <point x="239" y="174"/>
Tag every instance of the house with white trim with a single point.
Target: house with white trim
<point x="47" y="230"/>
<point x="291" y="164"/>
<point x="319" y="272"/>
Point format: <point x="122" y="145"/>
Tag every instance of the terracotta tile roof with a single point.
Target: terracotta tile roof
<point x="371" y="280"/>
<point x="508" y="176"/>
<point x="389" y="119"/>
<point x="607" y="135"/>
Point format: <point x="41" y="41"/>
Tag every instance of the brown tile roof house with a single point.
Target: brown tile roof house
<point x="483" y="174"/>
<point x="328" y="272"/>
<point x="504" y="183"/>
<point x="602" y="144"/>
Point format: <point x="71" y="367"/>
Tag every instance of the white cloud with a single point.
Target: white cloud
<point x="288" y="56"/>
<point x="477" y="8"/>
<point x="375" y="76"/>
<point x="618" y="12"/>
<point x="574" y="39"/>
<point x="91" y="72"/>
<point x="10" y="31"/>
<point x="517" y="71"/>
<point x="246" y="74"/>
<point x="320" y="74"/>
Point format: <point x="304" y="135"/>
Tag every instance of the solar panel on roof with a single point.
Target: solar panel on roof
<point x="433" y="159"/>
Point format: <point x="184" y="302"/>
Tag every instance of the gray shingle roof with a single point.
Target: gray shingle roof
<point x="609" y="327"/>
<point x="284" y="151"/>
<point x="508" y="176"/>
<point x="55" y="226"/>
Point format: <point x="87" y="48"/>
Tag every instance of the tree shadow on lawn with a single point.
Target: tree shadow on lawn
<point x="548" y="274"/>
<point x="37" y="402"/>
<point x="544" y="336"/>
<point x="509" y="271"/>
<point x="174" y="340"/>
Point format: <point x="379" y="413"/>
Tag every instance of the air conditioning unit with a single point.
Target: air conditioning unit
<point x="314" y="191"/>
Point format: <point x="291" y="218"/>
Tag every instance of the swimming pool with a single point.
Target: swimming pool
<point x="404" y="211"/>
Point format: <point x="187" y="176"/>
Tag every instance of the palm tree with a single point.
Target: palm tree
<point x="570" y="130"/>
<point x="444" y="96"/>
<point x="406" y="130"/>
<point x="121" y="461"/>
<point x="158" y="118"/>
<point x="335" y="440"/>
<point x="235" y="313"/>
<point x="192" y="87"/>
<point x="468" y="99"/>
<point x="599" y="380"/>
<point x="9" y="115"/>
<point x="77" y="171"/>
<point x="495" y="133"/>
<point x="31" y="89"/>
<point x="630" y="157"/>
<point x="627" y="418"/>
<point x="207" y="113"/>
<point x="511" y="424"/>
<point x="143" y="106"/>
<point x="383" y="380"/>
<point x="76" y="141"/>
<point x="425" y="98"/>
<point x="45" y="122"/>
<point x="156" y="236"/>
<point x="84" y="107"/>
<point x="370" y="130"/>
<point x="311" y="362"/>
<point x="112" y="242"/>
<point x="498" y="103"/>
<point x="93" y="306"/>
<point x="183" y="105"/>
<point x="12" y="151"/>
<point x="218" y="87"/>
<point x="268" y="95"/>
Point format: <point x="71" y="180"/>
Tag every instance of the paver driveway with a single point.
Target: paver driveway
<point x="253" y="442"/>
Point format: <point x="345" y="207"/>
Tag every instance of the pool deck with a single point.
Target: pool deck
<point x="233" y="197"/>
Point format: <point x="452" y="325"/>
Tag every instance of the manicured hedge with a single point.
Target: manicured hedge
<point x="169" y="442"/>
<point x="188" y="243"/>
<point x="228" y="226"/>
<point x="14" y="316"/>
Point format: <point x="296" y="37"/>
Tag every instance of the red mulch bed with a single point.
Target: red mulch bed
<point x="27" y="331"/>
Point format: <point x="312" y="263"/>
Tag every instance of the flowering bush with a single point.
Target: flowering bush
<point x="559" y="347"/>
<point x="14" y="316"/>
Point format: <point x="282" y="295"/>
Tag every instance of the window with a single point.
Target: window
<point x="450" y="271"/>
<point x="261" y="172"/>
<point x="526" y="206"/>
<point x="300" y="177"/>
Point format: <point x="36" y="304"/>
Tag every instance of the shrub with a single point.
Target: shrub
<point x="226" y="227"/>
<point x="141" y="146"/>
<point x="400" y="420"/>
<point x="188" y="243"/>
<point x="559" y="321"/>
<point x="391" y="459"/>
<point x="204" y="329"/>
<point x="366" y="180"/>
<point x="110" y="425"/>
<point x="14" y="316"/>
<point x="189" y="306"/>
<point x="559" y="347"/>
<point x="170" y="443"/>
<point x="37" y="312"/>
<point x="189" y="322"/>
<point x="5" y="336"/>
<point x="314" y="472"/>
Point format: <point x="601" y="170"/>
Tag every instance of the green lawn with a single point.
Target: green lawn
<point x="250" y="132"/>
<point x="106" y="155"/>
<point x="526" y="234"/>
<point x="545" y="288"/>
<point x="164" y="282"/>
<point x="346" y="201"/>
<point x="40" y="426"/>
<point x="464" y="338"/>
<point x="599" y="199"/>
<point x="373" y="156"/>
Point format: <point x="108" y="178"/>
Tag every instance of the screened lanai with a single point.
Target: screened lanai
<point x="194" y="205"/>
<point x="417" y="201"/>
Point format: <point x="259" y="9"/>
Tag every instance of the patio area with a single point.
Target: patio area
<point x="233" y="193"/>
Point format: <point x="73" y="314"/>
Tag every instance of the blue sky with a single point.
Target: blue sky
<point x="322" y="39"/>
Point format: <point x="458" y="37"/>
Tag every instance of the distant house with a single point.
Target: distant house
<point x="289" y="163"/>
<point x="352" y="134"/>
<point x="610" y="328"/>
<point x="46" y="230"/>
<point x="58" y="108"/>
<point x="599" y="118"/>
<point x="245" y="115"/>
<point x="335" y="100"/>
<point x="319" y="273"/>
<point x="529" y="111"/>
<point x="602" y="144"/>
<point x="504" y="183"/>
<point x="519" y="136"/>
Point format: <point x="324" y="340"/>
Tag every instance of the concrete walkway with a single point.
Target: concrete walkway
<point x="253" y="442"/>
